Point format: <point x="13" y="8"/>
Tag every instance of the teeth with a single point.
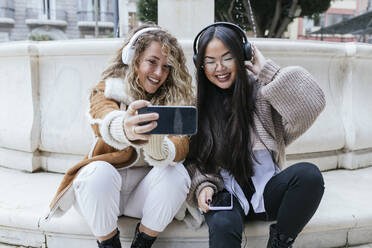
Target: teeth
<point x="223" y="76"/>
<point x="154" y="80"/>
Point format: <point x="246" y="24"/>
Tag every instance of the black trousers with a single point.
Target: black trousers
<point x="291" y="198"/>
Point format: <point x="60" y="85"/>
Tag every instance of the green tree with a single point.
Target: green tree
<point x="271" y="17"/>
<point x="147" y="10"/>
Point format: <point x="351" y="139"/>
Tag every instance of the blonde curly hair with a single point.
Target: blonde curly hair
<point x="177" y="88"/>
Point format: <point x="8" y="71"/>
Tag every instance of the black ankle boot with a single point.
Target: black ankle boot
<point x="113" y="242"/>
<point x="278" y="240"/>
<point x="142" y="240"/>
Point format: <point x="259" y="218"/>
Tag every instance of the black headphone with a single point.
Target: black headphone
<point x="247" y="48"/>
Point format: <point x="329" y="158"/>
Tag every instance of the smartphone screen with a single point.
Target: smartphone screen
<point x="173" y="119"/>
<point x="222" y="201"/>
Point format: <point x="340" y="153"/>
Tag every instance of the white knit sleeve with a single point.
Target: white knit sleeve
<point x="109" y="130"/>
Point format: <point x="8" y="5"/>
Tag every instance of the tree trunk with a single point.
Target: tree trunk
<point x="220" y="17"/>
<point x="274" y="23"/>
<point x="250" y="18"/>
<point x="229" y="11"/>
<point x="287" y="19"/>
<point x="260" y="27"/>
<point x="228" y="16"/>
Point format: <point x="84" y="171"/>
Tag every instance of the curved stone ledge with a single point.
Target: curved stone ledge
<point x="46" y="86"/>
<point x="18" y="48"/>
<point x="344" y="217"/>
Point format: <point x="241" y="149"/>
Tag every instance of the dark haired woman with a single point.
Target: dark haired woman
<point x="245" y="123"/>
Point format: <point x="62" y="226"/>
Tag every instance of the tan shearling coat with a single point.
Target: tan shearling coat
<point x="108" y="102"/>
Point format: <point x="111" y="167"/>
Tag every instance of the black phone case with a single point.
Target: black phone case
<point x="173" y="120"/>
<point x="221" y="199"/>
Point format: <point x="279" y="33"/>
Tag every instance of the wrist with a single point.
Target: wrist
<point x="208" y="189"/>
<point x="125" y="131"/>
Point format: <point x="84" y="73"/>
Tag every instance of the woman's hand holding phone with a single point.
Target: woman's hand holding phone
<point x="205" y="197"/>
<point x="132" y="128"/>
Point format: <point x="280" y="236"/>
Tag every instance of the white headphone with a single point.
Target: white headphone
<point x="128" y="50"/>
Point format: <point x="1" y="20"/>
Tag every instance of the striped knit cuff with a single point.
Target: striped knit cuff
<point x="268" y="72"/>
<point x="156" y="148"/>
<point x="105" y="130"/>
<point x="117" y="128"/>
<point x="160" y="151"/>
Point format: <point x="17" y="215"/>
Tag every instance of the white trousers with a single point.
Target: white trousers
<point x="153" y="194"/>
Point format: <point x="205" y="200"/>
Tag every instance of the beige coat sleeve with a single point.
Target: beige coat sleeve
<point x="106" y="118"/>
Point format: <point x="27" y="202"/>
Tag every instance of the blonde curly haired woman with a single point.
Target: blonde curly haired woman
<point x="128" y="172"/>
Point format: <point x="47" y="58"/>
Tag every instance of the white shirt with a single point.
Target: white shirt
<point x="263" y="172"/>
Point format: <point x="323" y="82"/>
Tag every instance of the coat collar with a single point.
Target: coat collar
<point x="118" y="90"/>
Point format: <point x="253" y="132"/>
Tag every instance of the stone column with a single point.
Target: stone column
<point x="185" y="18"/>
<point x="123" y="17"/>
<point x="20" y="106"/>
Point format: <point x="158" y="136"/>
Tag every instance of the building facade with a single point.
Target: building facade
<point x="55" y="20"/>
<point x="340" y="10"/>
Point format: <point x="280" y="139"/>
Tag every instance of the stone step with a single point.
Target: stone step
<point x="344" y="217"/>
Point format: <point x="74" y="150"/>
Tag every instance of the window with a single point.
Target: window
<point x="47" y="8"/>
<point x="336" y="18"/>
<point x="44" y="10"/>
<point x="86" y="10"/>
<point x="104" y="11"/>
<point x="7" y="9"/>
<point x="308" y="24"/>
<point x="4" y="36"/>
<point x="319" y="20"/>
<point x="313" y="24"/>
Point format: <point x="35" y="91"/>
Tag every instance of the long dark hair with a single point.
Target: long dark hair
<point x="224" y="140"/>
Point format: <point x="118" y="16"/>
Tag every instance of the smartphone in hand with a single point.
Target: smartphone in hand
<point x="221" y="201"/>
<point x="181" y="120"/>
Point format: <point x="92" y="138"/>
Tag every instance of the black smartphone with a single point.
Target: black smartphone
<point x="222" y="201"/>
<point x="173" y="119"/>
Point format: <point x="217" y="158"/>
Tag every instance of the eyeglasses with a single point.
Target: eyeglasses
<point x="210" y="64"/>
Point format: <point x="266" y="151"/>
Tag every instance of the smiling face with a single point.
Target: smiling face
<point x="153" y="68"/>
<point x="219" y="64"/>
